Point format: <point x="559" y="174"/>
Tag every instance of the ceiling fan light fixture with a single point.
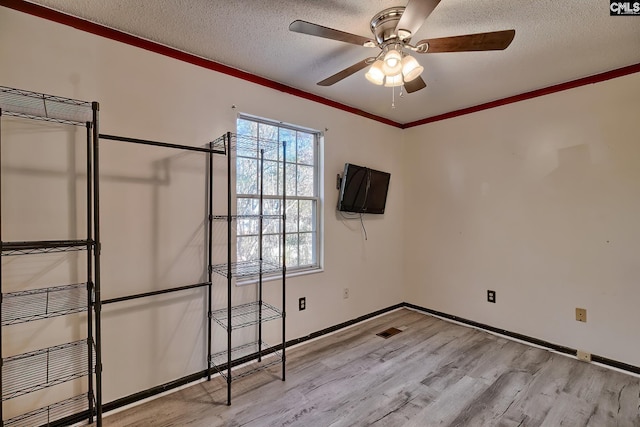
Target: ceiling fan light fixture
<point x="411" y="69"/>
<point x="392" y="62"/>
<point x="375" y="74"/>
<point x="393" y="81"/>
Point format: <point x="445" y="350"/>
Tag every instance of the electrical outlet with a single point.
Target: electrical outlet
<point x="302" y="303"/>
<point x="345" y="293"/>
<point x="581" y="314"/>
<point x="584" y="356"/>
<point x="491" y="296"/>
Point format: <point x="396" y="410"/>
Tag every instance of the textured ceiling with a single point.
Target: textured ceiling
<point x="555" y="42"/>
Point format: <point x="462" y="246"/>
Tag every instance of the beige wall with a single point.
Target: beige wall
<point x="539" y="201"/>
<point x="153" y="201"/>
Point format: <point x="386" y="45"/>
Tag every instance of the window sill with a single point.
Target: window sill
<point x="274" y="277"/>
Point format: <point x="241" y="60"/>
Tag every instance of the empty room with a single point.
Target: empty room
<point x="327" y="213"/>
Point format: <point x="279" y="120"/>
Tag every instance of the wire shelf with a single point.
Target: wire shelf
<point x="234" y="217"/>
<point x="49" y="414"/>
<point x="39" y="106"/>
<point x="246" y="315"/>
<point x="246" y="268"/>
<point x="36" y="370"/>
<point x="35" y="304"/>
<point x="243" y="143"/>
<point x="43" y="247"/>
<point x="243" y="354"/>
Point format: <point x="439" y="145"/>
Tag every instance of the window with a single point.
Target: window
<point x="302" y="192"/>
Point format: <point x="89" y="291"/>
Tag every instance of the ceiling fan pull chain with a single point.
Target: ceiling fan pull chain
<point x="393" y="97"/>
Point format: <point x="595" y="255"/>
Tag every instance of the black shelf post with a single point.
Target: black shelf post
<point x="284" y="252"/>
<point x="1" y="293"/>
<point x="95" y="107"/>
<point x="210" y="259"/>
<point x="229" y="276"/>
<point x="260" y="254"/>
<point x="90" y="303"/>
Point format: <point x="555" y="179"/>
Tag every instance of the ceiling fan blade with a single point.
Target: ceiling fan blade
<point x="346" y="72"/>
<point x="494" y="40"/>
<point x="414" y="15"/>
<point x="415" y="85"/>
<point x="305" y="27"/>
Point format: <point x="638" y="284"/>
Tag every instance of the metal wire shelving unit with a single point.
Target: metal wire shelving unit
<point x="245" y="354"/>
<point x="36" y="370"/>
<point x="34" y="304"/>
<point x="246" y="269"/>
<point x="43" y="247"/>
<point x="248" y="358"/>
<point x="247" y="314"/>
<point x="49" y="414"/>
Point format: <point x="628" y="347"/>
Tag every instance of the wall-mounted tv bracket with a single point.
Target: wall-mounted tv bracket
<point x="338" y="181"/>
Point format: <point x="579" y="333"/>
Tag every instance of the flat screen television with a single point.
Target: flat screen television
<point x="363" y="190"/>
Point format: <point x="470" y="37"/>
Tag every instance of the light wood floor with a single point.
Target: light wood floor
<point x="434" y="373"/>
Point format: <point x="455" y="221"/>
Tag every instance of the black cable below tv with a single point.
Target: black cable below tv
<point x="363" y="190"/>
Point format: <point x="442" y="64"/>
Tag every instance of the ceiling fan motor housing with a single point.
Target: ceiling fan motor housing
<point x="383" y="25"/>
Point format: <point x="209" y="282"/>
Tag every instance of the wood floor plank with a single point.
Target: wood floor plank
<point x="433" y="373"/>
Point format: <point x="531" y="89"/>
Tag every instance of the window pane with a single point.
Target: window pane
<point x="306" y="249"/>
<point x="268" y="132"/>
<point x="246" y="175"/>
<point x="247" y="206"/>
<point x="271" y="249"/>
<point x="271" y="179"/>
<point x="271" y="226"/>
<point x="306" y="220"/>
<point x="292" y="216"/>
<point x="289" y="136"/>
<point x="305" y="181"/>
<point x="271" y="207"/>
<point x="247" y="127"/>
<point x="271" y="150"/>
<point x="247" y="226"/>
<point x="246" y="146"/>
<point x="291" y="180"/>
<point x="305" y="148"/>
<point x="292" y="250"/>
<point x="247" y="248"/>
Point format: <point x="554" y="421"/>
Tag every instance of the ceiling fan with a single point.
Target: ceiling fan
<point x="393" y="29"/>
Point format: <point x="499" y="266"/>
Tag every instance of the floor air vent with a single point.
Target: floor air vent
<point x="389" y="333"/>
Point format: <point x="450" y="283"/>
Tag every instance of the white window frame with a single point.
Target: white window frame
<point x="317" y="242"/>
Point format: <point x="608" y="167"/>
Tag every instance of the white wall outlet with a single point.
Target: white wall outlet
<point x="345" y="293"/>
<point x="584" y="356"/>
